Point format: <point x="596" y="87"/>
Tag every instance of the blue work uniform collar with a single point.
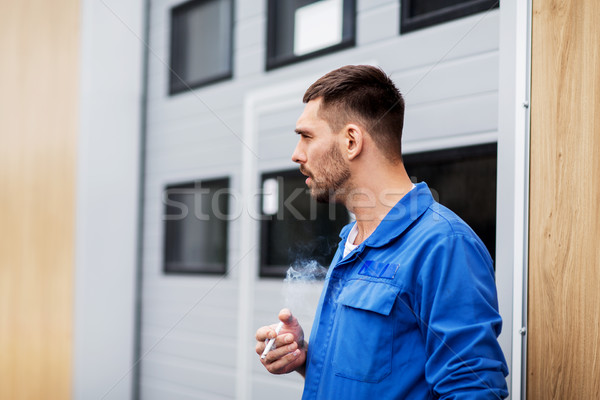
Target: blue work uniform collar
<point x="407" y="210"/>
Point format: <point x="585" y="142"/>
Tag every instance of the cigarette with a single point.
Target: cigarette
<point x="271" y="341"/>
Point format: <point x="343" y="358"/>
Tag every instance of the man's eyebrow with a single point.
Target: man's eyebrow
<point x="300" y="131"/>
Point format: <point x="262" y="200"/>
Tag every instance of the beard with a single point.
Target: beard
<point x="329" y="177"/>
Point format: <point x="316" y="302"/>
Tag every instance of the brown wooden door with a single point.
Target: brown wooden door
<point x="38" y="124"/>
<point x="563" y="360"/>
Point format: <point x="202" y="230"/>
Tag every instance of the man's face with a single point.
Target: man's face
<point x="319" y="155"/>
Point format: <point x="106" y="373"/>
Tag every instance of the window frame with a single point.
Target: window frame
<point x="272" y="61"/>
<point x="468" y="7"/>
<point x="457" y="153"/>
<point x="275" y="271"/>
<point x="222" y="270"/>
<point x="176" y="83"/>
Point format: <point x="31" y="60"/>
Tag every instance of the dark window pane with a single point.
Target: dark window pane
<point x="201" y="43"/>
<point x="302" y="29"/>
<point x="427" y="6"/>
<point x="297" y="228"/>
<point x="417" y="14"/>
<point x="196" y="218"/>
<point x="464" y="180"/>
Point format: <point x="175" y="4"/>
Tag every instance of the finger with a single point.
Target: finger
<point x="280" y="340"/>
<point x="260" y="347"/>
<point x="261" y="334"/>
<point x="283" y="340"/>
<point x="284" y="347"/>
<point x="286" y="363"/>
<point x="285" y="316"/>
<point x="266" y="332"/>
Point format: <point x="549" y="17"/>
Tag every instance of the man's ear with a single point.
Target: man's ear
<point x="354" y="140"/>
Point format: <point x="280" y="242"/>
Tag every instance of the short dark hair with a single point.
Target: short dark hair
<point x="366" y="95"/>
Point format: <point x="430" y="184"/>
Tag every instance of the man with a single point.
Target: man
<point x="409" y="307"/>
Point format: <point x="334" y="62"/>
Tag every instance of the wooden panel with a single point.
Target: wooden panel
<point x="38" y="124"/>
<point x="564" y="265"/>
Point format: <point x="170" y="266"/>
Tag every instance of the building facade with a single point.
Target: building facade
<point x="150" y="209"/>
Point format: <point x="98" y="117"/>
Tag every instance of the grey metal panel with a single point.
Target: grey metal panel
<point x="285" y="119"/>
<point x="277" y="146"/>
<point x="450" y="118"/>
<point x="215" y="351"/>
<point x="449" y="76"/>
<point x="199" y="302"/>
<point x="277" y="387"/>
<point x="250" y="8"/>
<point x="187" y="291"/>
<point x="189" y="374"/>
<point x="250" y="64"/>
<point x="159" y="389"/>
<point x="365" y="5"/>
<point x="250" y="33"/>
<point x="177" y="123"/>
<point x="277" y="138"/>
<point x="466" y="76"/>
<point x="377" y="24"/>
<point x="201" y="103"/>
<point x="219" y="326"/>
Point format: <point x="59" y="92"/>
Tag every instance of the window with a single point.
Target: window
<point x="302" y="29"/>
<point x="417" y="14"/>
<point x="196" y="216"/>
<point x="294" y="227"/>
<point x="201" y="43"/>
<point x="464" y="180"/>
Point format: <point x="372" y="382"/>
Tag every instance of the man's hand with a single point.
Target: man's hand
<point x="289" y="352"/>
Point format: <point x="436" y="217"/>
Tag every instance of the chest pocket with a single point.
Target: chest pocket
<point x="365" y="331"/>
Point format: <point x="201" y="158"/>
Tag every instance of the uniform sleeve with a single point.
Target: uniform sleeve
<point x="460" y="322"/>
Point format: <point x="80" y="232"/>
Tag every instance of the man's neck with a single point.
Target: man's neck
<point x="371" y="203"/>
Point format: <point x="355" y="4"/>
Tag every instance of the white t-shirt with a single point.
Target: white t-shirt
<point x="350" y="241"/>
<point x="352" y="237"/>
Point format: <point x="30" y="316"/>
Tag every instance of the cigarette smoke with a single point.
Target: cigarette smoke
<point x="302" y="288"/>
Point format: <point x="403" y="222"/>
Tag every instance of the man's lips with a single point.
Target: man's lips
<point x="305" y="173"/>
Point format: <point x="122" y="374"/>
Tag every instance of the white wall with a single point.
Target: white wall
<point x="513" y="184"/>
<point x="107" y="198"/>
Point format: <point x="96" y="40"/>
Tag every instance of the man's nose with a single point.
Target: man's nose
<point x="298" y="155"/>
